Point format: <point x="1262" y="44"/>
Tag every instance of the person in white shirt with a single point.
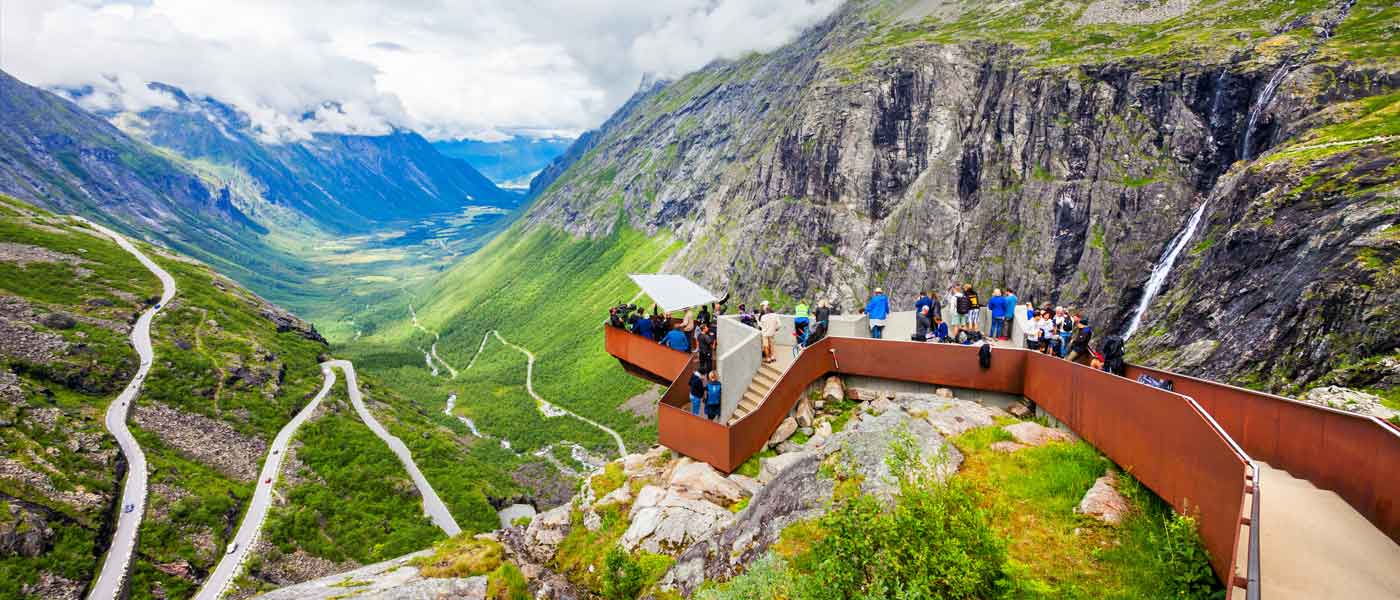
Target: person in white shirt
<point x="768" y="326"/>
<point x="1033" y="333"/>
<point x="1047" y="331"/>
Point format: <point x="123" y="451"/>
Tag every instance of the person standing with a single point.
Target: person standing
<point x="705" y="342"/>
<point x="822" y="323"/>
<point x="676" y="339"/>
<point x="877" y="309"/>
<point x="996" y="306"/>
<point x="697" y="392"/>
<point x="1079" y="344"/>
<point x="962" y="307"/>
<point x="924" y="300"/>
<point x="922" y="326"/>
<point x="1064" y="328"/>
<point x="974" y="313"/>
<point x="1008" y="302"/>
<point x="1033" y="332"/>
<point x="768" y="326"/>
<point x="713" y="394"/>
<point x="801" y="318"/>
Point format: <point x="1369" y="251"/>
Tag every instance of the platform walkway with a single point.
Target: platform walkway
<point x="1313" y="545"/>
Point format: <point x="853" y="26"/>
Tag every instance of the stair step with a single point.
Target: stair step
<point x="771" y="370"/>
<point x="765" y="379"/>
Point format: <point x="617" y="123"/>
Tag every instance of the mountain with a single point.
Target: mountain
<point x="1057" y="149"/>
<point x="344" y="182"/>
<point x="509" y="163"/>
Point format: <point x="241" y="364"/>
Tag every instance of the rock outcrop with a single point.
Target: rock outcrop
<point x="1104" y="502"/>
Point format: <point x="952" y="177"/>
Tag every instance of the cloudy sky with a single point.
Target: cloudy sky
<point x="476" y="68"/>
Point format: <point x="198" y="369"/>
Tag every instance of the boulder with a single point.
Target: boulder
<point x="1104" y="502"/>
<point x="865" y="444"/>
<point x="804" y="414"/>
<point x="769" y="468"/>
<point x="834" y="390"/>
<point x="863" y="394"/>
<point x="1348" y="400"/>
<point x="621" y="495"/>
<point x="24" y="533"/>
<point x="797" y="492"/>
<point x="1031" y="433"/>
<point x="785" y="431"/>
<point x="546" y="531"/>
<point x="1006" y="447"/>
<point x="944" y="393"/>
<point x="700" y="481"/>
<point x="823" y="429"/>
<point x="949" y="417"/>
<point x="788" y="446"/>
<point x="665" y="522"/>
<point x="750" y="485"/>
<point x="880" y="405"/>
<point x="1019" y="410"/>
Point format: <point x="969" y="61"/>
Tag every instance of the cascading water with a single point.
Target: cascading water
<point x="1261" y="102"/>
<point x="1164" y="266"/>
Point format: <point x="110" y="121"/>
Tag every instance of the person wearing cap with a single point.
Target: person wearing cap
<point x="768" y="326"/>
<point x="877" y="309"/>
<point x="1079" y="345"/>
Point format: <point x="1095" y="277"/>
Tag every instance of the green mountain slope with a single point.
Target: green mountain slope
<point x="230" y="370"/>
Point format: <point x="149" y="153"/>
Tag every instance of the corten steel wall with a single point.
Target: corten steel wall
<point x="1357" y="457"/>
<point x="686" y="433"/>
<point x="643" y="356"/>
<point x="1165" y="440"/>
<point x="748" y="435"/>
<point x="944" y="364"/>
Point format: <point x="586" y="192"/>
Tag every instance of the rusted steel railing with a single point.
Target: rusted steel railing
<point x="643" y="356"/>
<point x="1355" y="456"/>
<point x="1165" y="440"/>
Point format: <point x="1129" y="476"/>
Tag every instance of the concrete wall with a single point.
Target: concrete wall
<point x="739" y="355"/>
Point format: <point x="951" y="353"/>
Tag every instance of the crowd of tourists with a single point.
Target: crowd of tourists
<point x="1058" y="331"/>
<point x="1053" y="330"/>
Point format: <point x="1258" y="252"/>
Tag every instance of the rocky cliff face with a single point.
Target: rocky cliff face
<point x="1052" y="149"/>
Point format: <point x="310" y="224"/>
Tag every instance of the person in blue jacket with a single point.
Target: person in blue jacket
<point x="940" y="330"/>
<point x="712" y="397"/>
<point x="677" y="340"/>
<point x="924" y="300"/>
<point x="877" y="309"/>
<point x="697" y="392"/>
<point x="643" y="327"/>
<point x="997" y="304"/>
<point x="1008" y="305"/>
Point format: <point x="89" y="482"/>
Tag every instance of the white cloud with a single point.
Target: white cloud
<point x="486" y="69"/>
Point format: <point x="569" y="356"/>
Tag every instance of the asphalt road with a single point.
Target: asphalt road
<point x="432" y="504"/>
<point x="112" y="578"/>
<point x="248" y="531"/>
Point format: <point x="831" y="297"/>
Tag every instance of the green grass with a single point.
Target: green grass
<point x="1031" y="495"/>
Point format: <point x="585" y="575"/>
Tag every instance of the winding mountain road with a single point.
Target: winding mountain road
<point x="549" y="409"/>
<point x="432" y="504"/>
<point x="251" y="527"/>
<point x="117" y="564"/>
<point x="248" y="531"/>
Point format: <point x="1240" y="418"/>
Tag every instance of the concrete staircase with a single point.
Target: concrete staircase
<point x="764" y="380"/>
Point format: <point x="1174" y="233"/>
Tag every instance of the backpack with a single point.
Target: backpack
<point x="984" y="356"/>
<point x="972" y="298"/>
<point x="1161" y="384"/>
<point x="964" y="305"/>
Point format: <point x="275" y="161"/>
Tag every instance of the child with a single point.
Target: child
<point x="697" y="392"/>
<point x="712" y="397"/>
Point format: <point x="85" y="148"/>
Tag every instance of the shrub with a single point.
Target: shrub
<point x="1185" y="560"/>
<point x="935" y="542"/>
<point x="608" y="480"/>
<point x="461" y="556"/>
<point x="507" y="583"/>
<point x="622" y="576"/>
<point x="768" y="577"/>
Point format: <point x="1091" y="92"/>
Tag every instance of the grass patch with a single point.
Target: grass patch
<point x="461" y="556"/>
<point x="610" y="479"/>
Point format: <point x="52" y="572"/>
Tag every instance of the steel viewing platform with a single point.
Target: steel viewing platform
<point x="1326" y="482"/>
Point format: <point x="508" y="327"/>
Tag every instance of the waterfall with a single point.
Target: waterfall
<point x="1164" y="266"/>
<point x="1215" y="101"/>
<point x="1262" y="102"/>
